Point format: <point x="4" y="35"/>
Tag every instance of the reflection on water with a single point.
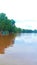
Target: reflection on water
<point x="18" y="50"/>
<point x="6" y="41"/>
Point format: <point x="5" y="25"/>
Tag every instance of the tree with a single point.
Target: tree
<point x="7" y="24"/>
<point x="12" y="22"/>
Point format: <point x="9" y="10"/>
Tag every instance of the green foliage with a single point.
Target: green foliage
<point x="12" y="22"/>
<point x="27" y="31"/>
<point x="7" y="24"/>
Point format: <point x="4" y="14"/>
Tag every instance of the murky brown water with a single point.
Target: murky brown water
<point x="18" y="50"/>
<point x="5" y="42"/>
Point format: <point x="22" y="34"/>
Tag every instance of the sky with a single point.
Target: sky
<point x="24" y="12"/>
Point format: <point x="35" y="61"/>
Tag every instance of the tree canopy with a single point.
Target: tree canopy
<point x="7" y="24"/>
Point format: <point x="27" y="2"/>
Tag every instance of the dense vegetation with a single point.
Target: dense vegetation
<point x="29" y="31"/>
<point x="7" y="25"/>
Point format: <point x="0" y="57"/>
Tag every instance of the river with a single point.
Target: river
<point x="18" y="49"/>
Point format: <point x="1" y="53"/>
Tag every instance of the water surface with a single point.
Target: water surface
<point x="18" y="50"/>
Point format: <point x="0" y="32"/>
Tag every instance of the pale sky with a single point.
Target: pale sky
<point x="24" y="12"/>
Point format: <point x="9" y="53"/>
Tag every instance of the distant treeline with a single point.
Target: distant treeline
<point x="8" y="26"/>
<point x="29" y="31"/>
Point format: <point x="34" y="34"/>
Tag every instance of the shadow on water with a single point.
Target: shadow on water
<point x="5" y="42"/>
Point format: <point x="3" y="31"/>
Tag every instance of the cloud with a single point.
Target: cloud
<point x="19" y="9"/>
<point x="24" y="10"/>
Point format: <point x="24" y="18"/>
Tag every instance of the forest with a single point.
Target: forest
<point x="8" y="26"/>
